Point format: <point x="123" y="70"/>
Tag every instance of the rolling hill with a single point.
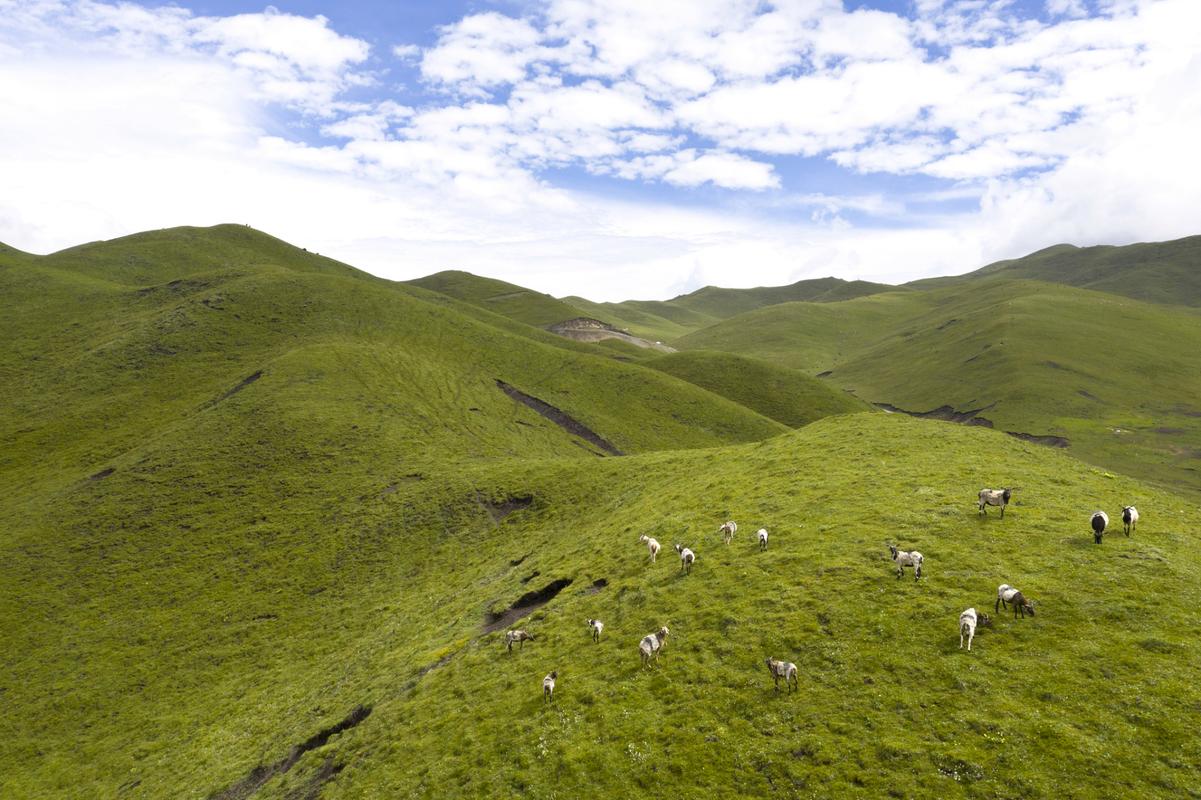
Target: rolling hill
<point x="267" y="519"/>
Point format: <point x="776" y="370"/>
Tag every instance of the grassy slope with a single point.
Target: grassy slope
<point x="669" y="319"/>
<point x="785" y="395"/>
<point x="1160" y="272"/>
<point x="506" y="299"/>
<point x="249" y="581"/>
<point x="1041" y="359"/>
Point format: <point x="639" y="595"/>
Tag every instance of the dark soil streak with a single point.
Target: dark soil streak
<point x="249" y="379"/>
<point x="567" y="423"/>
<point x="258" y="776"/>
<point x="948" y="414"/>
<point x="524" y="606"/>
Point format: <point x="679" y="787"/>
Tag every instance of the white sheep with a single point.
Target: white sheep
<point x="686" y="558"/>
<point x="652" y="545"/>
<point x="994" y="497"/>
<point x="967" y="625"/>
<point x="727" y="530"/>
<point x="518" y="636"/>
<point x="1130" y="519"/>
<point x="1006" y="595"/>
<point x="762" y="538"/>
<point x="651" y="644"/>
<point x="596" y="626"/>
<point x="906" y="558"/>
<point x="548" y="686"/>
<point x="1099" y="522"/>
<point x="785" y="670"/>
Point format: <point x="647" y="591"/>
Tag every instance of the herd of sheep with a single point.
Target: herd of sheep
<point x="651" y="644"/>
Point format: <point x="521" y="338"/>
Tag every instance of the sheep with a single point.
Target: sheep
<point x="596" y="626"/>
<point x="651" y="644"/>
<point x="994" y="497"/>
<point x="727" y="531"/>
<point x="903" y="558"/>
<point x="967" y="625"/>
<point x="652" y="545"/>
<point x="785" y="670"/>
<point x="1099" y="522"/>
<point x="1130" y="519"/>
<point x="686" y="558"/>
<point x="548" y="686"/>
<point x="1006" y="594"/>
<point x="517" y="636"/>
<point x="763" y="538"/>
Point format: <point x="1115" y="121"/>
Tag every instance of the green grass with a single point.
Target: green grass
<point x="506" y="299"/>
<point x="259" y="562"/>
<point x="787" y="396"/>
<point x="1118" y="377"/>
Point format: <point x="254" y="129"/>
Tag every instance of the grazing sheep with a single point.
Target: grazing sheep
<point x="596" y="626"/>
<point x="1099" y="522"/>
<point x="906" y="558"/>
<point x="994" y="497"/>
<point x="967" y="625"/>
<point x="1130" y="519"/>
<point x="686" y="558"/>
<point x="1006" y="595"/>
<point x="651" y="644"/>
<point x="785" y="670"/>
<point x="652" y="545"/>
<point x="517" y="636"/>
<point x="727" y="531"/>
<point x="548" y="686"/>
<point x="763" y="538"/>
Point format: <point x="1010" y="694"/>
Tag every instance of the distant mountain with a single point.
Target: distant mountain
<point x="1159" y="272"/>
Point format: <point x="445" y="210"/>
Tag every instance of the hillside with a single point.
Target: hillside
<point x="224" y="615"/>
<point x="1158" y="272"/>
<point x="1117" y="378"/>
<point x="785" y="395"/>
<point x="668" y="319"/>
<point x="506" y="299"/>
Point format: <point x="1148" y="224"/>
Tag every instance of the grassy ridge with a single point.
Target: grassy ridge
<point x="506" y="299"/>
<point x="787" y="396"/>
<point x="247" y="583"/>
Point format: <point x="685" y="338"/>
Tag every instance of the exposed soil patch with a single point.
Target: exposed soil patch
<point x="311" y="788"/>
<point x="1170" y="431"/>
<point x="1048" y="440"/>
<point x="102" y="474"/>
<point x="567" y="423"/>
<point x="524" y="606"/>
<point x="947" y="324"/>
<point x="949" y="414"/>
<point x="502" y="509"/>
<point x="597" y="585"/>
<point x="249" y="379"/>
<point x="258" y="776"/>
<point x="517" y="561"/>
<point x="530" y="577"/>
<point x="825" y="374"/>
<point x="1088" y="396"/>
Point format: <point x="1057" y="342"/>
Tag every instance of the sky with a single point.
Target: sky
<point x="612" y="149"/>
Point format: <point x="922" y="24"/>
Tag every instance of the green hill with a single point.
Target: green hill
<point x="265" y="516"/>
<point x="666" y="320"/>
<point x="506" y="299"/>
<point x="1158" y="272"/>
<point x="1116" y="377"/>
<point x="785" y="395"/>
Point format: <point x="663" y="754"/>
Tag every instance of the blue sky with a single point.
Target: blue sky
<point x="609" y="148"/>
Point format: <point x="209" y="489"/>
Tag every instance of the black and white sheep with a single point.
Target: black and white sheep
<point x="652" y="545"/>
<point x="906" y="558"/>
<point x="1099" y="522"/>
<point x="1130" y="519"/>
<point x="727" y="530"/>
<point x="518" y="636"/>
<point x="548" y="686"/>
<point x="1007" y="595"/>
<point x="762" y="538"/>
<point x="994" y="497"/>
<point x="968" y="621"/>
<point x="596" y="626"/>
<point x="686" y="558"/>
<point x="785" y="670"/>
<point x="651" y="644"/>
